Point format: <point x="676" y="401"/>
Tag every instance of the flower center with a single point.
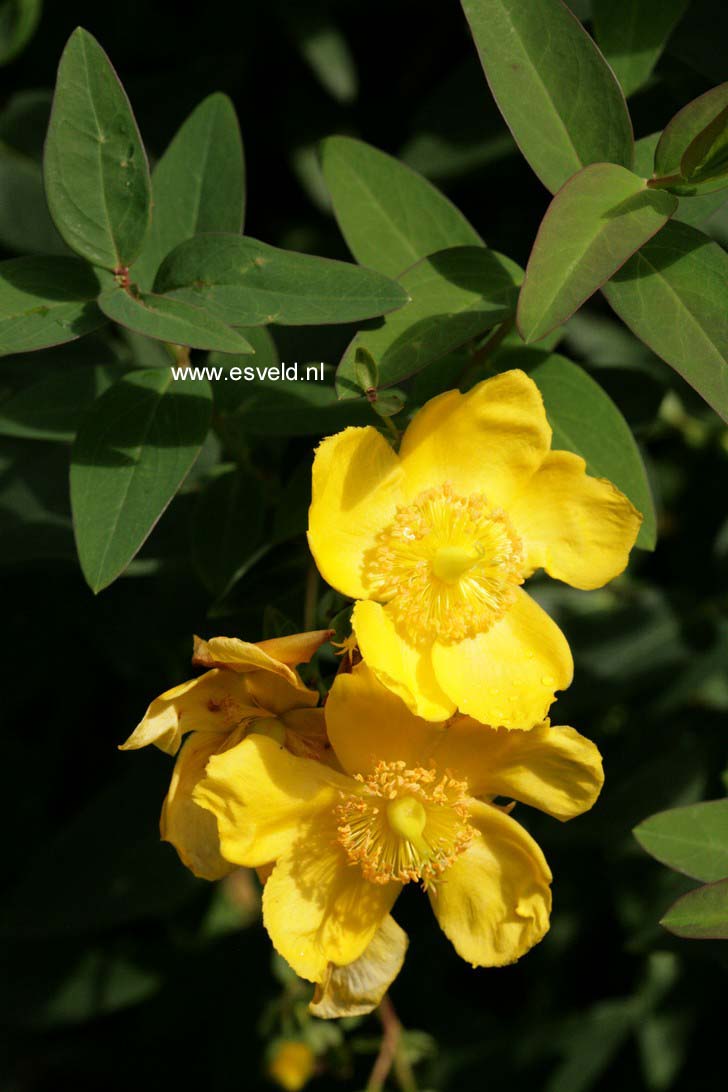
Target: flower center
<point x="404" y="824"/>
<point x="448" y="565"/>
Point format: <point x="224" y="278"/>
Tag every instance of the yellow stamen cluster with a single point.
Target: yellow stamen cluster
<point x="448" y="566"/>
<point x="404" y="824"/>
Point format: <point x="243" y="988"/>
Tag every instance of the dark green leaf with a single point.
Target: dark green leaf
<point x="693" y="840"/>
<point x="25" y="223"/>
<point x="294" y="404"/>
<point x="556" y="92"/>
<point x="18" y="21"/>
<point x="133" y="451"/>
<point x="198" y="185"/>
<point x="389" y="215"/>
<point x="454" y="295"/>
<point x="229" y="391"/>
<point x="248" y="283"/>
<point x="596" y="221"/>
<point x="677" y="137"/>
<point x="701" y="914"/>
<point x="46" y="301"/>
<point x="672" y="295"/>
<point x="95" y="167"/>
<point x="52" y="408"/>
<point x="632" y="35"/>
<point x="171" y="320"/>
<point x="705" y="162"/>
<point x="693" y="210"/>
<point x="227" y="527"/>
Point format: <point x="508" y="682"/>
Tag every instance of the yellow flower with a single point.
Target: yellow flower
<point x="436" y="541"/>
<point x="247" y="685"/>
<point x="414" y="803"/>
<point x="292" y="1064"/>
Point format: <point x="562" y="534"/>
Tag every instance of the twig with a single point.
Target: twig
<point x="486" y="350"/>
<point x="390" y="1055"/>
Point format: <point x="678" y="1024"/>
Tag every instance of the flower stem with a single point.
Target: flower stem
<point x="391" y="1056"/>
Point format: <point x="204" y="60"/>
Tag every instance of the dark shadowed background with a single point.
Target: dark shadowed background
<point x="122" y="970"/>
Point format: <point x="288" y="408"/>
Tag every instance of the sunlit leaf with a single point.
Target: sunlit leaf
<point x="556" y="92"/>
<point x="389" y="215"/>
<point x="693" y="840"/>
<point x="95" y="167"/>
<point x="593" y="225"/>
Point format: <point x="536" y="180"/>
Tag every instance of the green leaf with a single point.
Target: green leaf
<point x="132" y="452"/>
<point x="291" y="405"/>
<point x="52" y="408"/>
<point x="701" y="914"/>
<point x="95" y="167"/>
<point x="198" y="185"/>
<point x="693" y="840"/>
<point x="678" y="136"/>
<point x="171" y="320"/>
<point x="248" y="283"/>
<point x="327" y="53"/>
<point x="691" y="209"/>
<point x="389" y="215"/>
<point x="632" y="35"/>
<point x="229" y="392"/>
<point x="586" y="421"/>
<point x="672" y="295"/>
<point x="46" y="301"/>
<point x="556" y="92"/>
<point x="227" y="527"/>
<point x="705" y="162"/>
<point x="596" y="221"/>
<point x="454" y="295"/>
<point x="25" y="223"/>
<point x="18" y="22"/>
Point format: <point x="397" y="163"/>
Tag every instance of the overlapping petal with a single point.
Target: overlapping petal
<point x="494" y="901"/>
<point x="552" y="768"/>
<point x="191" y="829"/>
<point x="367" y="723"/>
<point x="215" y="702"/>
<point x="358" y="987"/>
<point x="357" y="485"/>
<point x="508" y="675"/>
<point x="406" y="669"/>
<point x="490" y="440"/>
<point x="317" y="909"/>
<point x="263" y="798"/>
<point x="578" y="528"/>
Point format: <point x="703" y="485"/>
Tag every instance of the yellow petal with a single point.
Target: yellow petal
<point x="317" y="908"/>
<point x="215" y="702"/>
<point x="507" y="676"/>
<point x="263" y="797"/>
<point x="357" y="988"/>
<point x="367" y="723"/>
<point x="190" y="829"/>
<point x="494" y="901"/>
<point x="277" y="695"/>
<point x="305" y="735"/>
<point x="356" y="489"/>
<point x="291" y="1065"/>
<point x="278" y="655"/>
<point x="490" y="440"/>
<point x="554" y="769"/>
<point x="578" y="528"/>
<point x="404" y="669"/>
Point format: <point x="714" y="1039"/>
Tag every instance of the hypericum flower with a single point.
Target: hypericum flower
<point x="436" y="541"/>
<point x="413" y="805"/>
<point x="248" y="685"/>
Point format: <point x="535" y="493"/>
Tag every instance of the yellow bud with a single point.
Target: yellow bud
<point x="292" y="1065"/>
